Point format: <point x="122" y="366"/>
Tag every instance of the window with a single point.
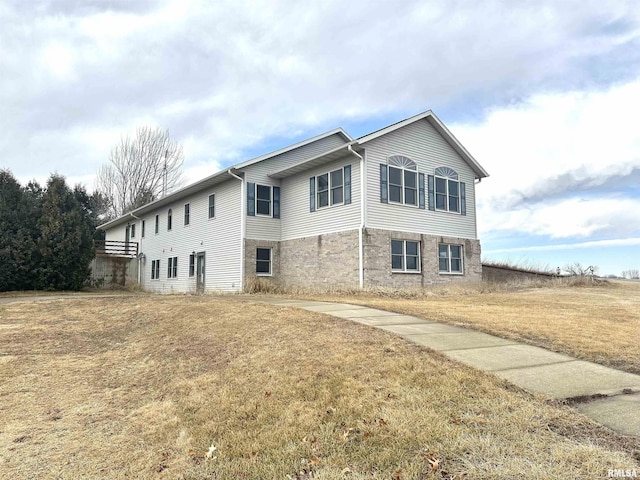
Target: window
<point x="155" y="269"/>
<point x="263" y="200"/>
<point x="401" y="183"/>
<point x="263" y="261"/>
<point x="169" y="219"/>
<point x="142" y="229"/>
<point x="187" y="213"/>
<point x="192" y="264"/>
<point x="172" y="268"/>
<point x="157" y="223"/>
<point x="133" y="230"/>
<point x="405" y="256"/>
<point x="403" y="186"/>
<point x="447" y="190"/>
<point x="212" y="205"/>
<point x="450" y="258"/>
<point x="330" y="188"/>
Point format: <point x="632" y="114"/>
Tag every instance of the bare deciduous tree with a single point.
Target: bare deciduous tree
<point x="140" y="170"/>
<point x="577" y="269"/>
<point x="632" y="273"/>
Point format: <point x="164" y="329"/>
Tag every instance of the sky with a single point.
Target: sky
<point x="544" y="94"/>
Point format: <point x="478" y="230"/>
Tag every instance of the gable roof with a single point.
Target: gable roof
<point x="359" y="142"/>
<point x="329" y="155"/>
<point x="440" y="128"/>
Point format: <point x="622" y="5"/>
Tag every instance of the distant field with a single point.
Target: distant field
<point x="599" y="323"/>
<point x="206" y="387"/>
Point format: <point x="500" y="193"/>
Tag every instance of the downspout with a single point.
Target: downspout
<point x="139" y="250"/>
<point x="243" y="226"/>
<point x="361" y="228"/>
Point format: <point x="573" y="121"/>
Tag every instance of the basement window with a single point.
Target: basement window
<point x="263" y="261"/>
<point x="405" y="256"/>
<point x="450" y="259"/>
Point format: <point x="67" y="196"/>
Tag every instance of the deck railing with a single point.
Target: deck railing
<point x="116" y="248"/>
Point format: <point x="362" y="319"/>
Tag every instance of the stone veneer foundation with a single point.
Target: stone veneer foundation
<point x="331" y="260"/>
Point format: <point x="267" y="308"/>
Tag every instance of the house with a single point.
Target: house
<point x="393" y="208"/>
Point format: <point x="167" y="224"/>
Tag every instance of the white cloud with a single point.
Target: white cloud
<point x="624" y="242"/>
<point x="559" y="162"/>
<point x="570" y="218"/>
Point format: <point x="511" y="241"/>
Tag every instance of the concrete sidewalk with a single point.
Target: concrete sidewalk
<point x="609" y="396"/>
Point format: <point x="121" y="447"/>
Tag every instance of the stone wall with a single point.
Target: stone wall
<point x="331" y="260"/>
<point x="250" y="259"/>
<point x="320" y="261"/>
<point x="493" y="273"/>
<point x="377" y="260"/>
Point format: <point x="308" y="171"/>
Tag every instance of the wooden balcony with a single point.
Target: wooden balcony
<point x="116" y="248"/>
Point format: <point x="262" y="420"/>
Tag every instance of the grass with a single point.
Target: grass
<point x="598" y="321"/>
<point x="206" y="387"/>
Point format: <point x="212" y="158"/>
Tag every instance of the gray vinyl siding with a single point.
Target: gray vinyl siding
<point x="423" y="144"/>
<point x="264" y="228"/>
<point x="218" y="237"/>
<point x="298" y="221"/>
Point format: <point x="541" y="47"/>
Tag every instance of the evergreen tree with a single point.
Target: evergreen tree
<point x="18" y="234"/>
<point x="65" y="244"/>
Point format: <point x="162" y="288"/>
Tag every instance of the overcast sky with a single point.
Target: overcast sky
<point x="545" y="95"/>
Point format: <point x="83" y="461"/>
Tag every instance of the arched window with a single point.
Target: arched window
<point x="403" y="180"/>
<point x="169" y="219"/>
<point x="447" y="189"/>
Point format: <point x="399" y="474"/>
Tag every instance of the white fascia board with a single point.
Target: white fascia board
<point x="308" y="163"/>
<point x="195" y="187"/>
<point x="441" y="128"/>
<point x="266" y="156"/>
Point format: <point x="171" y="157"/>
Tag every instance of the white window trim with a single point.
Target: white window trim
<point x="404" y="256"/>
<point x="330" y="187"/>
<point x="270" y="201"/>
<point x="270" y="274"/>
<point x="209" y="205"/>
<point x="155" y="262"/>
<point x="192" y="257"/>
<point x="169" y="220"/>
<point x="184" y="214"/>
<point x="172" y="264"/>
<point x="402" y="169"/>
<point x="449" y="272"/>
<point x="435" y="195"/>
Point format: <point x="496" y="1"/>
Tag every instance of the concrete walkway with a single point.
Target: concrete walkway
<point x="609" y="396"/>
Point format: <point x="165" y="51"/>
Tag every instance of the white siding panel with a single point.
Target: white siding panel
<point x="264" y="228"/>
<point x="218" y="237"/>
<point x="423" y="144"/>
<point x="118" y="233"/>
<point x="298" y="221"/>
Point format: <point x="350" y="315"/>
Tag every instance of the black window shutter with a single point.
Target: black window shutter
<point x="276" y="202"/>
<point x="421" y="190"/>
<point x="312" y="194"/>
<point x="347" y="184"/>
<point x="384" y="189"/>
<point x="463" y="199"/>
<point x="251" y="199"/>
<point x="432" y="197"/>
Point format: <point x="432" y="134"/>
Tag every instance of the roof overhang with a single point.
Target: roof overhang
<point x="335" y="154"/>
<point x="198" y="186"/>
<point x="440" y="128"/>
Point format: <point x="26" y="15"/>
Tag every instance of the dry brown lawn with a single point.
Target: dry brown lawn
<point x="600" y="323"/>
<point x="147" y="387"/>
